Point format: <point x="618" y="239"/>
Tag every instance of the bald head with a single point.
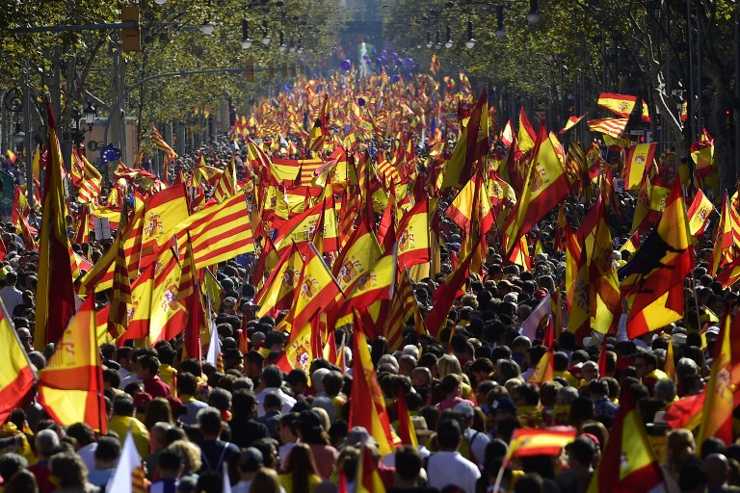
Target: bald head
<point x="717" y="468"/>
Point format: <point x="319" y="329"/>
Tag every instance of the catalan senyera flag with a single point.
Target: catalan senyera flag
<point x="613" y="127"/>
<point x="699" y="212"/>
<point x="653" y="279"/>
<point x="219" y="232"/>
<point x="89" y="178"/>
<point x="720" y="393"/>
<point x="471" y="146"/>
<point x="401" y="307"/>
<point x="226" y="185"/>
<point x="17" y="376"/>
<point x="637" y="159"/>
<point x="367" y="406"/>
<point x="71" y="386"/>
<point x="527" y="442"/>
<point x="55" y="302"/>
<point x="724" y="242"/>
<point x="619" y="104"/>
<point x="605" y="303"/>
<point x="121" y="291"/>
<point x="545" y="186"/>
<point x="278" y="290"/>
<point x="628" y="463"/>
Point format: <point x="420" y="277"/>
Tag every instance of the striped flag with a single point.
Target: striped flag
<point x="613" y="127"/>
<point x="129" y="474"/>
<point x="85" y="177"/>
<point x="226" y="185"/>
<point x="219" y="232"/>
<point x="402" y="306"/>
<point x="619" y="104"/>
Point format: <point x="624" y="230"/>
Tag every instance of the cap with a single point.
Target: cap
<point x="464" y="409"/>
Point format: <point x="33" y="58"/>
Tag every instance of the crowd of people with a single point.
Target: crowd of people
<point x="249" y="426"/>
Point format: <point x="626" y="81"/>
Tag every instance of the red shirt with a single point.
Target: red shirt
<point x="156" y="387"/>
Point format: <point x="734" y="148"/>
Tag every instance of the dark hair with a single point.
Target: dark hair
<point x="112" y="377"/>
<point x="220" y="399"/>
<point x="169" y="460"/>
<point x="22" y="482"/>
<point x="209" y="420"/>
<point x="271" y="377"/>
<point x="149" y="363"/>
<point x="108" y="449"/>
<point x="408" y="462"/>
<point x="529" y="483"/>
<point x="300" y="465"/>
<point x="272" y="401"/>
<point x="243" y="403"/>
<point x="123" y="405"/>
<point x="82" y="432"/>
<point x="10" y="464"/>
<point x="191" y="366"/>
<point x="186" y="384"/>
<point x="69" y="469"/>
<point x="449" y="434"/>
<point x="158" y="410"/>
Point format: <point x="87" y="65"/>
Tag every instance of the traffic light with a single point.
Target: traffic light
<point x="131" y="36"/>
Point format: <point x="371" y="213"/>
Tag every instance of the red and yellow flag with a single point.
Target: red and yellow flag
<point x="724" y="239"/>
<point x="278" y="290"/>
<point x="638" y="158"/>
<point x="721" y="394"/>
<point x="16" y="373"/>
<point x="653" y="279"/>
<point x="406" y="430"/>
<point x="527" y="442"/>
<point x="55" y="302"/>
<point x="71" y="386"/>
<point x="471" y="146"/>
<point x="628" y="463"/>
<point x="699" y="213"/>
<point x="413" y="236"/>
<point x="545" y="186"/>
<point x="367" y="406"/>
<point x="619" y="104"/>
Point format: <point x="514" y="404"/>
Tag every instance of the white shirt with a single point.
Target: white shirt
<point x="87" y="454"/>
<point x="444" y="468"/>
<point x="477" y="442"/>
<point x="288" y="401"/>
<point x="11" y="297"/>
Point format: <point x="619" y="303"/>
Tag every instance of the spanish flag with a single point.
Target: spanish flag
<point x="278" y="290"/>
<point x="572" y="122"/>
<point x="55" y="302"/>
<point x="545" y="186"/>
<point x="368" y="478"/>
<point x="375" y="285"/>
<point x="619" y="104"/>
<point x="528" y="442"/>
<point x="413" y="236"/>
<point x="725" y="377"/>
<point x="653" y="279"/>
<point x="605" y="304"/>
<point x="17" y="376"/>
<point x="576" y="284"/>
<point x="71" y="386"/>
<point x="545" y="369"/>
<point x="406" y="430"/>
<point x="316" y="290"/>
<point x="471" y="146"/>
<point x="367" y="406"/>
<point x="699" y="212"/>
<point x="724" y="241"/>
<point x="357" y="257"/>
<point x="639" y="157"/>
<point x="445" y="295"/>
<point x="702" y="154"/>
<point x="628" y="463"/>
<point x="526" y="136"/>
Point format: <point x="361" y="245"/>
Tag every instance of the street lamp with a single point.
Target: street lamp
<point x="470" y="43"/>
<point x="533" y="18"/>
<point x="265" y="34"/>
<point x="429" y="40"/>
<point x="19" y="138"/>
<point x="160" y="2"/>
<point x="439" y="43"/>
<point x="246" y="40"/>
<point x="448" y="43"/>
<point x="89" y="114"/>
<point x="207" y="28"/>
